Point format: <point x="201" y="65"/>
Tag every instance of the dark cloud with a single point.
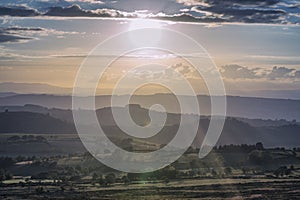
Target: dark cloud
<point x="12" y="34"/>
<point x="77" y="11"/>
<point x="16" y="28"/>
<point x="18" y="11"/>
<point x="206" y="11"/>
<point x="71" y="11"/>
<point x="242" y="2"/>
<point x="255" y="11"/>
<point x="11" y="38"/>
<point x="189" y="18"/>
<point x="247" y="11"/>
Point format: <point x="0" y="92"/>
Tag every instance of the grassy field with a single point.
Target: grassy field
<point x="228" y="172"/>
<point x="183" y="189"/>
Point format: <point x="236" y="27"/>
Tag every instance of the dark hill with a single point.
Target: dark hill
<point x="242" y="107"/>
<point x="235" y="131"/>
<point x="28" y="122"/>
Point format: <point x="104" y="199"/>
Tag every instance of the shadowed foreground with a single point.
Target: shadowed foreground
<point x="185" y="189"/>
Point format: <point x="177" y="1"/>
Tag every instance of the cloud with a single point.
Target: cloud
<point x="246" y="11"/>
<point x="185" y="17"/>
<point x="170" y="73"/>
<point x="193" y="2"/>
<point x="71" y="11"/>
<point x="6" y="36"/>
<point x="12" y="38"/>
<point x="249" y="15"/>
<point x="204" y="11"/>
<point x="229" y="2"/>
<point x="297" y="74"/>
<point x="16" y="28"/>
<point x="280" y="72"/>
<point x="274" y="60"/>
<point x="19" y="11"/>
<point x="23" y="34"/>
<point x="86" y="1"/>
<point x="77" y="11"/>
<point x="240" y="72"/>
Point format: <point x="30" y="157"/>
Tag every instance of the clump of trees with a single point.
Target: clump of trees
<point x="246" y="148"/>
<point x="283" y="171"/>
<point x="27" y="138"/>
<point x="5" y="175"/>
<point x="260" y="157"/>
<point x="107" y="180"/>
<point x="166" y="173"/>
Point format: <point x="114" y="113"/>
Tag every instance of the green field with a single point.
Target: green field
<point x="183" y="189"/>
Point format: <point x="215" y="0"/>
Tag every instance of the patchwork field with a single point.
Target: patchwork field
<point x="183" y="189"/>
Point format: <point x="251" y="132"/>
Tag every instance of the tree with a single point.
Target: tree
<point x="2" y="175"/>
<point x="259" y="146"/>
<point x="101" y="181"/>
<point x="166" y="180"/>
<point x="228" y="171"/>
<point x="39" y="190"/>
<point x="260" y="157"/>
<point x="170" y="172"/>
<point x="13" y="138"/>
<point x="282" y="171"/>
<point x="194" y="164"/>
<point x="214" y="173"/>
<point x="133" y="176"/>
<point x="95" y="176"/>
<point x="8" y="176"/>
<point x="110" y="178"/>
<point x="245" y="170"/>
<point x="125" y="179"/>
<point x="40" y="139"/>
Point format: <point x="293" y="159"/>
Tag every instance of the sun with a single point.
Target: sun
<point x="145" y="31"/>
<point x="144" y="23"/>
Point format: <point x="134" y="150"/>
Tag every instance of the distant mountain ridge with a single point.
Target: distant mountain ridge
<point x="66" y="115"/>
<point x="243" y="107"/>
<point x="33" y="88"/>
<point x="43" y="88"/>
<point x="235" y="131"/>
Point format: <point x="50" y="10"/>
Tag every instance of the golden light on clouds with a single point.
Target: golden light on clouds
<point x="151" y="67"/>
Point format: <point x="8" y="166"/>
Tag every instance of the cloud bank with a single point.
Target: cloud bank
<point x="205" y="11"/>
<point x="241" y="72"/>
<point x="17" y="34"/>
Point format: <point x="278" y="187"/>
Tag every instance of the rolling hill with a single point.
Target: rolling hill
<point x="243" y="107"/>
<point x="28" y="122"/>
<point x="235" y="131"/>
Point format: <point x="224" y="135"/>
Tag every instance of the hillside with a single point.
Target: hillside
<point x="235" y="131"/>
<point x="243" y="107"/>
<point x="28" y="122"/>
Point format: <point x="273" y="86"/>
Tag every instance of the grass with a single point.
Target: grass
<point x="183" y="189"/>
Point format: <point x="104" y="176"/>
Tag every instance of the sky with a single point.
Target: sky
<point x="254" y="43"/>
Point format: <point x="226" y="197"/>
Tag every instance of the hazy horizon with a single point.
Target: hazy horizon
<point x="256" y="52"/>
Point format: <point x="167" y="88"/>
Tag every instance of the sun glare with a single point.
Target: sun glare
<point x="147" y="35"/>
<point x="144" y="23"/>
